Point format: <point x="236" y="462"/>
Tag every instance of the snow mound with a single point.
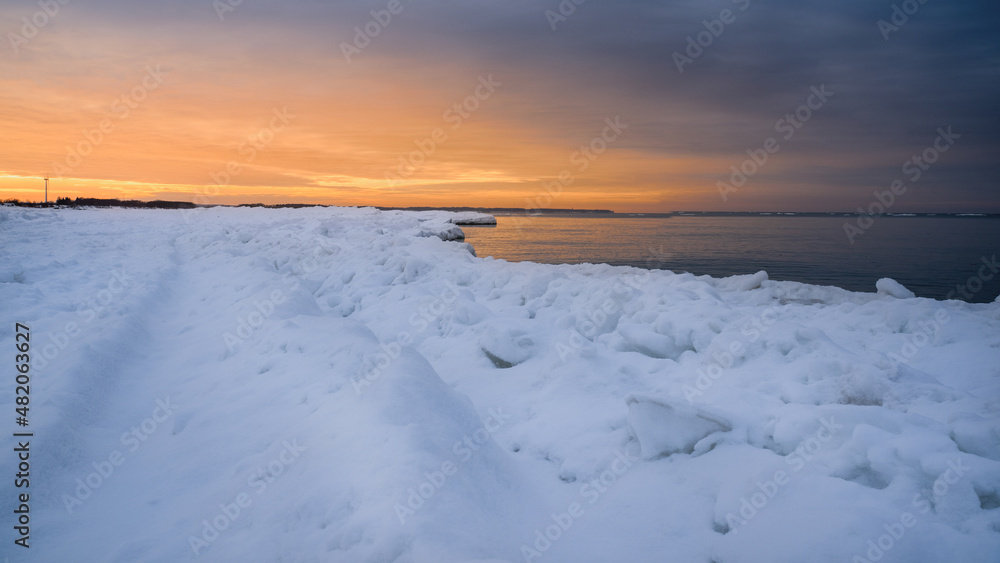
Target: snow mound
<point x="892" y="288"/>
<point x="508" y="343"/>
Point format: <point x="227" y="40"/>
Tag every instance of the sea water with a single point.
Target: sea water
<point x="937" y="257"/>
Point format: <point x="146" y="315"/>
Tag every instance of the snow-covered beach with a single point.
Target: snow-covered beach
<point x="344" y="384"/>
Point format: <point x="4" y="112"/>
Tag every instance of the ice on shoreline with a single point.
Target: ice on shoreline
<point x="352" y="385"/>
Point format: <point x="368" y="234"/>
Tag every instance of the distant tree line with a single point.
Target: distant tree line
<point x="97" y="202"/>
<point x="281" y="205"/>
<point x="158" y="204"/>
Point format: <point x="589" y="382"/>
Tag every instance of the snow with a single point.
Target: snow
<point x="341" y="384"/>
<point x="892" y="288"/>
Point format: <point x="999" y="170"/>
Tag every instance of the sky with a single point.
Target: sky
<point x="641" y="106"/>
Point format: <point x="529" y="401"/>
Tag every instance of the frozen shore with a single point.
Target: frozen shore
<point x="342" y="384"/>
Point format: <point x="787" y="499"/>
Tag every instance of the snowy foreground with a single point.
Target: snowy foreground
<point x="344" y="385"/>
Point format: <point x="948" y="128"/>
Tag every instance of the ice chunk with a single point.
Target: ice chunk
<point x="891" y="287"/>
<point x="977" y="435"/>
<point x="472" y="218"/>
<point x="642" y="339"/>
<point x="668" y="427"/>
<point x="446" y="231"/>
<point x="742" y="282"/>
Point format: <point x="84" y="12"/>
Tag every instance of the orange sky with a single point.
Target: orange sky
<point x="294" y="133"/>
<point x="182" y="96"/>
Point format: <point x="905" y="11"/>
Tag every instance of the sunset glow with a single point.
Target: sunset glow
<point x="454" y="106"/>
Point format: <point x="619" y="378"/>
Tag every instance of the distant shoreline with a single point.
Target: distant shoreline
<point x="811" y="214"/>
<point x="496" y="211"/>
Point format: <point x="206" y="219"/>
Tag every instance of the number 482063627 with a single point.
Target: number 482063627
<point x="22" y="361"/>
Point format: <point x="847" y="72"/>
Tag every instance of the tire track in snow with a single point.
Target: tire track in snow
<point x="102" y="372"/>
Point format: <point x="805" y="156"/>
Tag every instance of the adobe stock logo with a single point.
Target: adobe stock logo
<point x="788" y="126"/>
<point x="923" y="502"/>
<point x="581" y="160"/>
<point x="105" y="467"/>
<point x="364" y="35"/>
<point x="566" y="9"/>
<point x="914" y="169"/>
<point x="121" y="107"/>
<point x="546" y="535"/>
<point x="230" y="512"/>
<point x="697" y="43"/>
<point x="463" y="450"/>
<point x="456" y="115"/>
<point x="222" y="8"/>
<point x="899" y="17"/>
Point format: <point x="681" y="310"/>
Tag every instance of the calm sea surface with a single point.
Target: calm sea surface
<point x="929" y="255"/>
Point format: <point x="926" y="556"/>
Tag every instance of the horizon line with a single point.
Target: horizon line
<point x="590" y="211"/>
